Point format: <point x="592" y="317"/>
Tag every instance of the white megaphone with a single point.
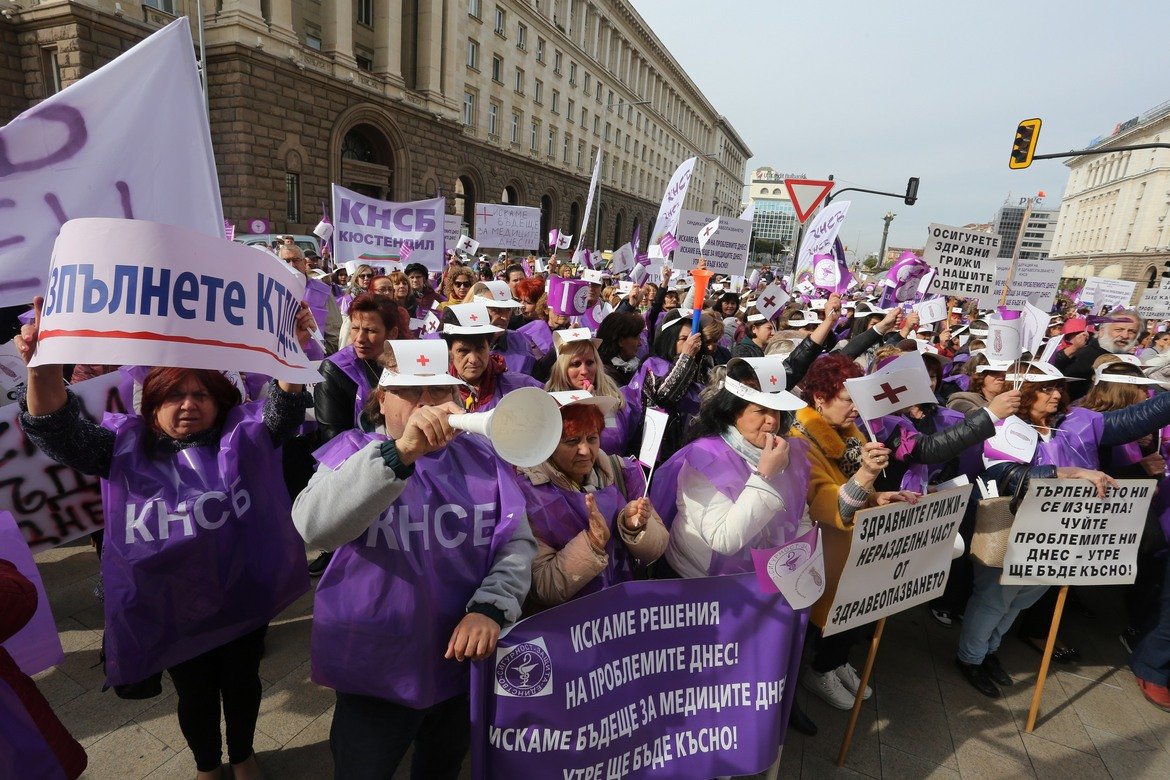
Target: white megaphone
<point x="524" y="428"/>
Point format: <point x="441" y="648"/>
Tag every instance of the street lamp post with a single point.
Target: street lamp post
<point x="888" y="218"/>
<point x="597" y="220"/>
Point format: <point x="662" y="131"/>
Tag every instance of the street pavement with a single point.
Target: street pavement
<point x="922" y="721"/>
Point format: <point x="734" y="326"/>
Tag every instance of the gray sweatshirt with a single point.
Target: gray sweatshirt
<point x="339" y="506"/>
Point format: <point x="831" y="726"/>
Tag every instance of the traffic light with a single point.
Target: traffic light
<point x="1027" y="134"/>
<point x="912" y="191"/>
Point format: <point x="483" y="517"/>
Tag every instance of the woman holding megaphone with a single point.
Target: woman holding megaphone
<point x="433" y="557"/>
<point x="592" y="526"/>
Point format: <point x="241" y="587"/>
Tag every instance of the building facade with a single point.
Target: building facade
<point x="774" y="218"/>
<point x="1114" y="214"/>
<point x="482" y="101"/>
<point x="1036" y="241"/>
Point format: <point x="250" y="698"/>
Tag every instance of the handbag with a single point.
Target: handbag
<point x="993" y="524"/>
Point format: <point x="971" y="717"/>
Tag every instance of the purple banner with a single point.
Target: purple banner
<point x="659" y="679"/>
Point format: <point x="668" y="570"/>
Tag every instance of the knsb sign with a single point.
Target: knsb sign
<point x="1064" y="534"/>
<point x="129" y="292"/>
<point x="662" y="679"/>
<point x="367" y="230"/>
<point x="900" y="557"/>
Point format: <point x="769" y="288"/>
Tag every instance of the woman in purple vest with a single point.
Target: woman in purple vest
<point x="484" y="376"/>
<point x="1069" y="441"/>
<point x="433" y="556"/>
<point x="592" y="526"/>
<point x="578" y="367"/>
<point x="511" y="345"/>
<point x="199" y="553"/>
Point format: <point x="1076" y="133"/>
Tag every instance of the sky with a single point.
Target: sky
<point x="876" y="92"/>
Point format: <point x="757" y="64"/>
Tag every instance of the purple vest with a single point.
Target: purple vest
<point x="200" y="548"/>
<point x="506" y="383"/>
<point x="538" y="334"/>
<point x="317" y="295"/>
<point x="390" y="599"/>
<point x="1074" y="443"/>
<point x="347" y="360"/>
<point x="728" y="472"/>
<point x="23" y="749"/>
<point x="343" y="302"/>
<point x="557" y="515"/>
<point x="615" y="439"/>
<point x="516" y="351"/>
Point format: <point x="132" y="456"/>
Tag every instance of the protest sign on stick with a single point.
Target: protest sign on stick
<point x="1064" y="534"/>
<point x="131" y="292"/>
<point x="965" y="263"/>
<point x="664" y="679"/>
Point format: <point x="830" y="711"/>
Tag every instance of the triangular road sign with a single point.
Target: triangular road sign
<point x="806" y="195"/>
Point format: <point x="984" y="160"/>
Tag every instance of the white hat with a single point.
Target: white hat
<point x="805" y="320"/>
<point x="756" y="317"/>
<point x="818" y="304"/>
<point x="684" y="316"/>
<point x="473" y="319"/>
<point x="586" y="398"/>
<point x="993" y="365"/>
<point x="420" y="363"/>
<point x="1036" y="371"/>
<point x="569" y="335"/>
<point x="1099" y="374"/>
<point x="773" y="383"/>
<point x="499" y="296"/>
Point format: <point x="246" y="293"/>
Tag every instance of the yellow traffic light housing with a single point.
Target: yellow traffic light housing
<point x="1027" y="134"/>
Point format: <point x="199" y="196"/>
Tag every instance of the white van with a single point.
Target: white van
<point x="306" y="243"/>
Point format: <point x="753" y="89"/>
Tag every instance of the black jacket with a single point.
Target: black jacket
<point x="938" y="447"/>
<point x="333" y="400"/>
<point x="1080" y="366"/>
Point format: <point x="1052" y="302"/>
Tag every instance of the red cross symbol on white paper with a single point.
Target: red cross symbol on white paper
<point x="473" y="317"/>
<point x="891" y="393"/>
<point x="772" y="380"/>
<point x="770" y="301"/>
<point x="574" y="398"/>
<point x="707" y="231"/>
<point x="423" y="360"/>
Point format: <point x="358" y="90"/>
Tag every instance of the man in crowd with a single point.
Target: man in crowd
<point x="318" y="295"/>
<point x="1119" y="336"/>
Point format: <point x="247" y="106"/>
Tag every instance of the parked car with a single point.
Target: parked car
<point x="306" y="243"/>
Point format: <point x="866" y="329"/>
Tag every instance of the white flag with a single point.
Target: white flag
<point x="653" y="428"/>
<point x="670" y="209"/>
<point x="622" y="259"/>
<point x="467" y="244"/>
<point x="1004" y="339"/>
<point x="130" y="141"/>
<point x="563" y="241"/>
<point x="707" y="231"/>
<point x="771" y="300"/>
<point x="589" y="201"/>
<point x="749" y="214"/>
<point x="884" y="393"/>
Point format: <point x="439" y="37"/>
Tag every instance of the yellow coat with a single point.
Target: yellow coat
<point x="827" y="446"/>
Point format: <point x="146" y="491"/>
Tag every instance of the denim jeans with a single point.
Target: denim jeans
<point x="1151" y="658"/>
<point x="991" y="611"/>
<point x="369" y="737"/>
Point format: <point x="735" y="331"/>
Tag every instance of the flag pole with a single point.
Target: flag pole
<point x="203" y="60"/>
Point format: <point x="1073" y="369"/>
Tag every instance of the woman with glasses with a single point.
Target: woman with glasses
<point x="1067" y="448"/>
<point x="457" y="285"/>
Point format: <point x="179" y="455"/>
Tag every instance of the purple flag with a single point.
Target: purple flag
<point x="901" y="283"/>
<point x="829" y="273"/>
<point x="404" y="251"/>
<point x="636" y="238"/>
<point x="597" y="687"/>
<point x="668" y="243"/>
<point x="200" y="547"/>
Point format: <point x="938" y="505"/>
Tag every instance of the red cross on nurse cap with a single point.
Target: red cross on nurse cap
<point x="417" y="363"/>
<point x="472" y="319"/>
<point x="773" y="382"/>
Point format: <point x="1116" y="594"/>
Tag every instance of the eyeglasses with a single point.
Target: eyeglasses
<point x="1052" y="389"/>
<point x="458" y="283"/>
<point x="365" y="276"/>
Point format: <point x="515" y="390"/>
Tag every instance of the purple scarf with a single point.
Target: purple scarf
<point x="728" y="472"/>
<point x="390" y="599"/>
<point x="348" y="361"/>
<point x="558" y="515"/>
<point x="200" y="547"/>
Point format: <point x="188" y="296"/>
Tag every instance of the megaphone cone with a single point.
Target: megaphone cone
<point x="524" y="428"/>
<point x="702" y="278"/>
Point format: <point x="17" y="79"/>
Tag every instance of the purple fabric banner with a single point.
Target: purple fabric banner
<point x="37" y="646"/>
<point x="662" y="678"/>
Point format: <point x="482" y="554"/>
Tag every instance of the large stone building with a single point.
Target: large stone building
<point x="1113" y="217"/>
<point x="482" y="100"/>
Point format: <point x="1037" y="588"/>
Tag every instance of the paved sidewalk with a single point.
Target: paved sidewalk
<point x="923" y="720"/>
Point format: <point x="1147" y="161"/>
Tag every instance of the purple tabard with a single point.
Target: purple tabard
<point x="615" y="439"/>
<point x="728" y="473"/>
<point x="200" y="547"/>
<point x="388" y="603"/>
<point x="620" y="674"/>
<point x="1126" y="454"/>
<point x="24" y="753"/>
<point x="506" y="383"/>
<point x="538" y="334"/>
<point x="1074" y="443"/>
<point x="517" y="352"/>
<point x="557" y="516"/>
<point x="343" y="302"/>
<point x="317" y="295"/>
<point x="347" y="360"/>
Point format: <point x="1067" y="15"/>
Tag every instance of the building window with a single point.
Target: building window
<point x="493" y="119"/>
<point x="292" y="197"/>
<point x="596" y="124"/>
<point x="166" y="6"/>
<point x="534" y="141"/>
<point x="580" y="154"/>
<point x="50" y="70"/>
<point x="519" y="81"/>
<point x="313" y="41"/>
<point x="584" y="117"/>
<point x="557" y="57"/>
<point x="501" y="22"/>
<point x="607" y="132"/>
<point x="365" y="12"/>
<point x="364" y="63"/>
<point x="473" y="8"/>
<point x="515" y="127"/>
<point x="556" y="102"/>
<point x="597" y="94"/>
<point x="565" y="148"/>
<point x="573" y="73"/>
<point x="538" y="92"/>
<point x="472" y="54"/>
<point x="588" y="82"/>
<point x="521" y="37"/>
<point x="498" y="69"/>
<point x="469" y="109"/>
<point x="540" y="49"/>
<point x="570" y="110"/>
<point x="552" y="141"/>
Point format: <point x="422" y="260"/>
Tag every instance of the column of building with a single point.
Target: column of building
<point x="337" y="19"/>
<point x="388" y="41"/>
